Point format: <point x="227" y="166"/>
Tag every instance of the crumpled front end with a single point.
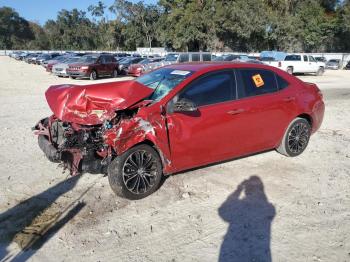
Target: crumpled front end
<point x="77" y="147"/>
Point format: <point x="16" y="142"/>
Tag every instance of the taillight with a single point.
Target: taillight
<point x="279" y="64"/>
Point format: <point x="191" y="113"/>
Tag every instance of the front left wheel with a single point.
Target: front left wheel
<point x="137" y="173"/>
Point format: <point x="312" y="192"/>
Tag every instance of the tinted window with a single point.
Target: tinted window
<point x="305" y="58"/>
<point x="210" y="89"/>
<point x="255" y="82"/>
<point x="281" y="82"/>
<point x="184" y="58"/>
<point x="196" y="57"/>
<point x="293" y="58"/>
<point x="206" y="57"/>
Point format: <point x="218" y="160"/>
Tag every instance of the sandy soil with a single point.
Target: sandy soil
<point x="292" y="209"/>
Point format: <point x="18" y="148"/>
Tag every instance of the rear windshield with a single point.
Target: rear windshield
<point x="163" y="81"/>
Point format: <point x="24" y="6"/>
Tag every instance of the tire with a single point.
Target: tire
<point x="296" y="138"/>
<point x="135" y="184"/>
<point x="290" y="70"/>
<point x="93" y="75"/>
<point x="72" y="77"/>
<point x="115" y="73"/>
<point x="320" y="71"/>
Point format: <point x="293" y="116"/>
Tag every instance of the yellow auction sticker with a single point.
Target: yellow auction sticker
<point x="258" y="81"/>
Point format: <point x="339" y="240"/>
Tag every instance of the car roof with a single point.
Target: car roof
<point x="199" y="66"/>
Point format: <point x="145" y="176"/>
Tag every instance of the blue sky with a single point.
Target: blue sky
<point x="42" y="10"/>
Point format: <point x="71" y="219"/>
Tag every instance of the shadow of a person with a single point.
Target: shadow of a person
<point x="16" y="219"/>
<point x="249" y="217"/>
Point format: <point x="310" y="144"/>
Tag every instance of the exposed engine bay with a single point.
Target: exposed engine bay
<point x="79" y="148"/>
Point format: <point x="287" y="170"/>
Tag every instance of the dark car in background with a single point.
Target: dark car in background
<point x="94" y="66"/>
<point x="29" y="58"/>
<point x="44" y="57"/>
<point x="321" y="59"/>
<point x="347" y="67"/>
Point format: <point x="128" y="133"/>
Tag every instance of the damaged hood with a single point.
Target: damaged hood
<point x="93" y="104"/>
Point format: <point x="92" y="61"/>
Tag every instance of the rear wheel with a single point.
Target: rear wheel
<point x="290" y="70"/>
<point x="93" y="75"/>
<point x="296" y="138"/>
<point x="72" y="77"/>
<point x="136" y="173"/>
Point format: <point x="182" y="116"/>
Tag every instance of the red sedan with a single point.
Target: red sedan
<point x="176" y="118"/>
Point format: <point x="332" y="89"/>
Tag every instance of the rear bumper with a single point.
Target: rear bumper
<point x="317" y="115"/>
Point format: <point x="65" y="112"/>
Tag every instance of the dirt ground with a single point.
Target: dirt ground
<point x="292" y="209"/>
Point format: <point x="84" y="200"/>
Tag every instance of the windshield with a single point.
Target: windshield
<point x="72" y="60"/>
<point x="163" y="81"/>
<point x="88" y="59"/>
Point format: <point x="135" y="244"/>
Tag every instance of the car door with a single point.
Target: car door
<point x="204" y="136"/>
<point x="265" y="110"/>
<point x="313" y="64"/>
<point x="102" y="66"/>
<point x="307" y="66"/>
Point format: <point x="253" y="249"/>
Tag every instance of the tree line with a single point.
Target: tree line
<point x="188" y="25"/>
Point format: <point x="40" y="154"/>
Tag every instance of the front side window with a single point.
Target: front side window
<point x="163" y="81"/>
<point x="253" y="82"/>
<point x="211" y="89"/>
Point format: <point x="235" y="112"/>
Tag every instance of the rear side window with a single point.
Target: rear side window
<point x="213" y="88"/>
<point x="254" y="82"/>
<point x="305" y="58"/>
<point x="293" y="58"/>
<point x="196" y="57"/>
<point x="281" y="82"/>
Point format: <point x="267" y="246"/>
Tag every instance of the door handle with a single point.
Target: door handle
<point x="289" y="99"/>
<point x="235" y="112"/>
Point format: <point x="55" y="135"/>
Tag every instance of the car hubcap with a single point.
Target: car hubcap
<point x="298" y="138"/>
<point x="93" y="75"/>
<point x="139" y="172"/>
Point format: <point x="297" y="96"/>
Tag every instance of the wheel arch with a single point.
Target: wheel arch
<point x="307" y="117"/>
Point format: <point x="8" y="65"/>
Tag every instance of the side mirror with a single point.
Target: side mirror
<point x="184" y="105"/>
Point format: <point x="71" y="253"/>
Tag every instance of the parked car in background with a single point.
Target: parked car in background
<point x="176" y="118"/>
<point x="347" y="67"/>
<point x="272" y="56"/>
<point x="60" y="69"/>
<point x="231" y="57"/>
<point x="48" y="64"/>
<point x="30" y="58"/>
<point x="333" y="64"/>
<point x="299" y="63"/>
<point x="44" y="57"/>
<point x="321" y="59"/>
<point x="93" y="66"/>
<point x="126" y="62"/>
<point x="139" y="68"/>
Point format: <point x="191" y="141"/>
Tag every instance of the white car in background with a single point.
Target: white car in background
<point x="60" y="69"/>
<point x="299" y="63"/>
